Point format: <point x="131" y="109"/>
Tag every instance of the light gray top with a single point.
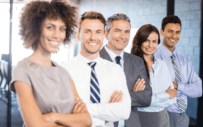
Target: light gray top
<point x="50" y="85"/>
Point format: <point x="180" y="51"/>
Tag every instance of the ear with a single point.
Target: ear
<point x="161" y="32"/>
<point x="106" y="34"/>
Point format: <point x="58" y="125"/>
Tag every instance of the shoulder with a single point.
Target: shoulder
<point x="161" y="62"/>
<point x="133" y="58"/>
<point x="111" y="66"/>
<point x="157" y="53"/>
<point x="22" y="65"/>
<point x="71" y="62"/>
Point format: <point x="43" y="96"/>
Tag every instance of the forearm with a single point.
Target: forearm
<point x="142" y="98"/>
<point x="110" y="111"/>
<point x="191" y="90"/>
<point x="75" y="120"/>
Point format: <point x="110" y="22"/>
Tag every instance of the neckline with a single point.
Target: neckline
<point x="31" y="63"/>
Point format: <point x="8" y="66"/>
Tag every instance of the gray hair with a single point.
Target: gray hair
<point x="114" y="17"/>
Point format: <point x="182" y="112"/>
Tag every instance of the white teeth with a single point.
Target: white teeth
<point x="172" y="40"/>
<point x="53" y="42"/>
<point x="122" y="41"/>
<point x="93" y="44"/>
<point x="149" y="49"/>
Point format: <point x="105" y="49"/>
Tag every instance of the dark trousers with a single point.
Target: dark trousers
<point x="178" y="119"/>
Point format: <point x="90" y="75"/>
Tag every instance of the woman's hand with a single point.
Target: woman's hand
<point x="79" y="107"/>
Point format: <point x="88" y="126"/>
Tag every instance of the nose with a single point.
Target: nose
<point x="92" y="36"/>
<point x="122" y="35"/>
<point x="150" y="44"/>
<point x="56" y="34"/>
<point x="174" y="35"/>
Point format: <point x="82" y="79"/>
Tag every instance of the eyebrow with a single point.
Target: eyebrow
<point x="173" y="30"/>
<point x="117" y="29"/>
<point x="54" y="25"/>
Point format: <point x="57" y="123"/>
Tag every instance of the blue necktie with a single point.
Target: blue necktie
<point x="181" y="103"/>
<point x="118" y="60"/>
<point x="94" y="85"/>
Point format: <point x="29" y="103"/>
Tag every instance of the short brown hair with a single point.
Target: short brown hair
<point x="92" y="15"/>
<point x="35" y="12"/>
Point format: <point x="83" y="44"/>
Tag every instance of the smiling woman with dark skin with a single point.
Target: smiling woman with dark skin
<point x="145" y="43"/>
<point x="46" y="93"/>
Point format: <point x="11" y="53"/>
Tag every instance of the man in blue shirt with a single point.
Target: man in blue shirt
<point x="182" y="72"/>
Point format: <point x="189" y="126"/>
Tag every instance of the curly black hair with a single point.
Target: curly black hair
<point x="35" y="12"/>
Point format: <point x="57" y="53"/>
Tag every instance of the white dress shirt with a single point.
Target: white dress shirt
<point x="111" y="78"/>
<point x="112" y="55"/>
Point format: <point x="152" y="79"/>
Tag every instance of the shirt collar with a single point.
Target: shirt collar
<point x="167" y="52"/>
<point x="113" y="55"/>
<point x="85" y="60"/>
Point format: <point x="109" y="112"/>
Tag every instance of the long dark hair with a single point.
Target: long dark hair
<point x="140" y="37"/>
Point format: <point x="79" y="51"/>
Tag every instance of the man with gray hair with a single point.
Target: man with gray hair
<point x="118" y="33"/>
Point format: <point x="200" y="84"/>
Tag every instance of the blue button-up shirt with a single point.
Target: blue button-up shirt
<point x="190" y="84"/>
<point x="160" y="81"/>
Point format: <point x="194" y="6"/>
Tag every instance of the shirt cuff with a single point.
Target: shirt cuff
<point x="181" y="86"/>
<point x="164" y="96"/>
<point x="92" y="109"/>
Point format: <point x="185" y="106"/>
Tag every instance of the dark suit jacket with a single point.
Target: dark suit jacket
<point x="134" y="68"/>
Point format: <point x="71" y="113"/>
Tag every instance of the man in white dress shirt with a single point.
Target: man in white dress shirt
<point x="100" y="84"/>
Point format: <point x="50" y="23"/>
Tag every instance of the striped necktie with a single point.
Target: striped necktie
<point x="181" y="103"/>
<point x="118" y="60"/>
<point x="94" y="85"/>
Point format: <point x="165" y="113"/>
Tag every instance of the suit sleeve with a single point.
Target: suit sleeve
<point x="142" y="98"/>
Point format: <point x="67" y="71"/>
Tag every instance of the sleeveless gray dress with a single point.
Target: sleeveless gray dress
<point x="50" y="85"/>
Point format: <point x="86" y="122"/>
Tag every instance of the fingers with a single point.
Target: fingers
<point x="139" y="85"/>
<point x="79" y="106"/>
<point x="116" y="96"/>
<point x="172" y="93"/>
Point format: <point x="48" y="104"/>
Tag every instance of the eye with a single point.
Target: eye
<point x="170" y="31"/>
<point x="50" y="27"/>
<point x="154" y="41"/>
<point x="178" y="32"/>
<point x="63" y="29"/>
<point x="98" y="32"/>
<point x="87" y="31"/>
<point x="127" y="31"/>
<point x="117" y="30"/>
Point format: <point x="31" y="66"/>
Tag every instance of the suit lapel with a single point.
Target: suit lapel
<point x="104" y="54"/>
<point x="126" y="62"/>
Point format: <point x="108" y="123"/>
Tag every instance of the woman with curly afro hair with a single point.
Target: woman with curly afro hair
<point x="46" y="93"/>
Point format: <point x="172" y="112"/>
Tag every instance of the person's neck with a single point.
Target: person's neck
<point x="90" y="56"/>
<point x="117" y="52"/>
<point x="171" y="49"/>
<point x="41" y="58"/>
<point x="148" y="59"/>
